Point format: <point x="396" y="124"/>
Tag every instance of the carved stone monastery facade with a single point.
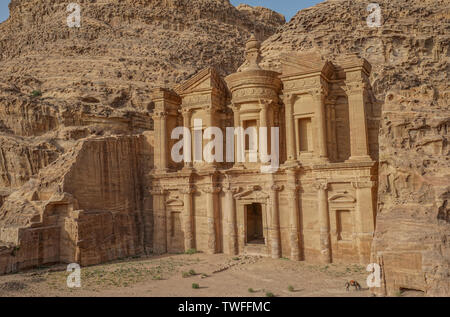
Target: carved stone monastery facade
<point x="320" y="206"/>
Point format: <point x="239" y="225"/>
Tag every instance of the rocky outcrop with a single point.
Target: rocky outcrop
<point x="409" y="54"/>
<point x="87" y="207"/>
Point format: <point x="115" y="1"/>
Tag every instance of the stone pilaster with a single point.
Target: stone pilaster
<point x="290" y="128"/>
<point x="211" y="217"/>
<point x="365" y="218"/>
<point x="231" y="219"/>
<point x="187" y="145"/>
<point x="160" y="221"/>
<point x="292" y="191"/>
<point x="359" y="136"/>
<point x="274" y="227"/>
<point x="324" y="221"/>
<point x="189" y="234"/>
<point x="318" y="96"/>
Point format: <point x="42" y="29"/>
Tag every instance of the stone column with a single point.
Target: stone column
<point x="274" y="228"/>
<point x="359" y="136"/>
<point x="292" y="189"/>
<point x="290" y="128"/>
<point x="160" y="221"/>
<point x="187" y="145"/>
<point x="189" y="234"/>
<point x="324" y="221"/>
<point x="211" y="217"/>
<point x="318" y="96"/>
<point x="237" y="124"/>
<point x="164" y="141"/>
<point x="365" y="218"/>
<point x="231" y="220"/>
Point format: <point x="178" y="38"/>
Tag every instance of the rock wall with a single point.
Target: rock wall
<point x="86" y="207"/>
<point x="412" y="239"/>
<point x="409" y="54"/>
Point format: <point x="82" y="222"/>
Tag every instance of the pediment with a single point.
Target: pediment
<point x="305" y="63"/>
<point x="206" y="79"/>
<point x="342" y="198"/>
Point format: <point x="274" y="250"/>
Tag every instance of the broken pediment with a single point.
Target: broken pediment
<point x="305" y="63"/>
<point x="206" y="80"/>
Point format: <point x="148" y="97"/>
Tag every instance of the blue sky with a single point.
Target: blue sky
<point x="287" y="7"/>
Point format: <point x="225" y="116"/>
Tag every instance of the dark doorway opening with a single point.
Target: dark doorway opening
<point x="255" y="233"/>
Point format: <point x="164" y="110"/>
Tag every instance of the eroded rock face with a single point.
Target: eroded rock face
<point x="75" y="117"/>
<point x="409" y="54"/>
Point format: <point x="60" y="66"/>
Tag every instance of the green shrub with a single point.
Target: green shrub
<point x="191" y="251"/>
<point x="36" y="93"/>
<point x="195" y="286"/>
<point x="251" y="290"/>
<point x="269" y="294"/>
<point x="291" y="288"/>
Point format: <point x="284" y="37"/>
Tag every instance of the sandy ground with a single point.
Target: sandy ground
<point x="174" y="275"/>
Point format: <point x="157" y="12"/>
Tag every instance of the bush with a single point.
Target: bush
<point x="291" y="288"/>
<point x="195" y="286"/>
<point x="251" y="290"/>
<point x="269" y="294"/>
<point x="36" y="93"/>
<point x="192" y="272"/>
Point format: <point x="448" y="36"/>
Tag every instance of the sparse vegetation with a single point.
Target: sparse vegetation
<point x="188" y="274"/>
<point x="251" y="290"/>
<point x="236" y="258"/>
<point x="291" y="288"/>
<point x="36" y="93"/>
<point x="192" y="272"/>
<point x="270" y="294"/>
<point x="191" y="251"/>
<point x="195" y="286"/>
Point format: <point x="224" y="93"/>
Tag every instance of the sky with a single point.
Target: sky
<point x="286" y="7"/>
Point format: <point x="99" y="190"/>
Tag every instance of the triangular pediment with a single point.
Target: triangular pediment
<point x="206" y="79"/>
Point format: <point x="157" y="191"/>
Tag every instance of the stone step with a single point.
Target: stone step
<point x="256" y="249"/>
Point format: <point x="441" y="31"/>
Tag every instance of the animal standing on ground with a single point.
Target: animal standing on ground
<point x="353" y="283"/>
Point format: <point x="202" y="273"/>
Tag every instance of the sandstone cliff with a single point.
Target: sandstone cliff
<point x="410" y="58"/>
<point x="75" y="116"/>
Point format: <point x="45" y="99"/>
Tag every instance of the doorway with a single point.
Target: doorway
<point x="255" y="232"/>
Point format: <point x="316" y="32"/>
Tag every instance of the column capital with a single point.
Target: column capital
<point x="321" y="185"/>
<point x="214" y="189"/>
<point x="188" y="190"/>
<point x="317" y="92"/>
<point x="232" y="189"/>
<point x="160" y="115"/>
<point x="159" y="191"/>
<point x="276" y="188"/>
<point x="185" y="111"/>
<point x="353" y="88"/>
<point x="265" y="103"/>
<point x="363" y="184"/>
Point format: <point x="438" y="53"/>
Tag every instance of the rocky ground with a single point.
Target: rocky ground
<point x="174" y="275"/>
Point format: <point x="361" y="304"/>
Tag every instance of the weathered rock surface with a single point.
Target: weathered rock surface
<point x="95" y="83"/>
<point x="409" y="54"/>
<point x="75" y="116"/>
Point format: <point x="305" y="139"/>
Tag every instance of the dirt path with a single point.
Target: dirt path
<point x="175" y="275"/>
